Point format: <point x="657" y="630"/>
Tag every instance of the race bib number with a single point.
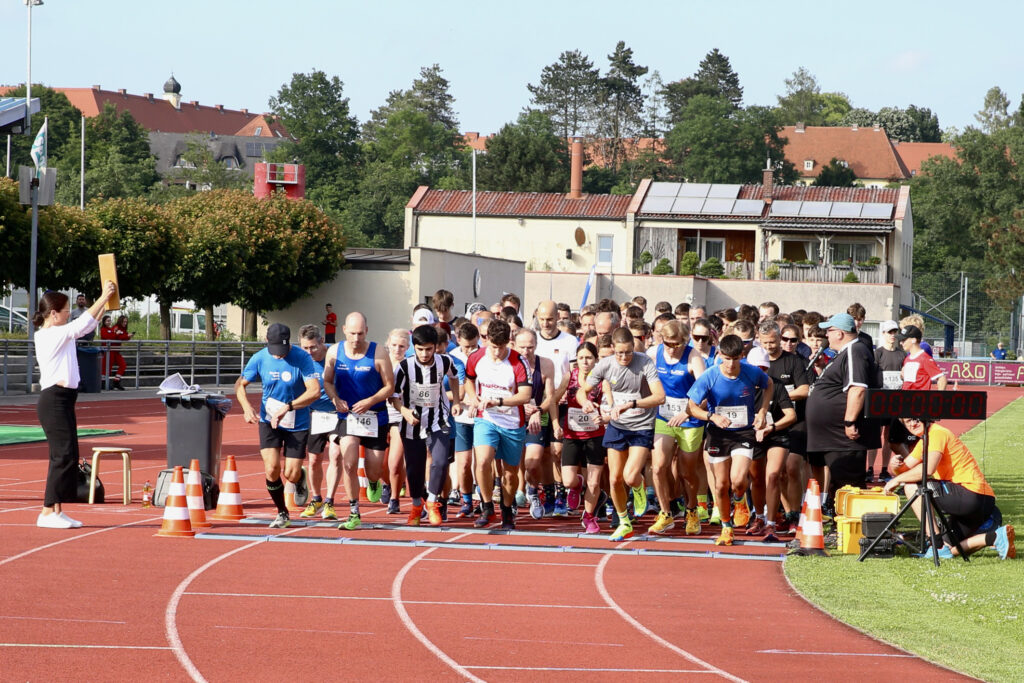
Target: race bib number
<point x="580" y="421"/>
<point x="620" y="397"/>
<point x="790" y="388"/>
<point x="495" y="392"/>
<point x="671" y="407"/>
<point x="361" y="425"/>
<point x="272" y="408"/>
<point x="768" y="419"/>
<point x="426" y="395"/>
<point x="323" y="422"/>
<point x="892" y="379"/>
<point x="910" y="371"/>
<point x="737" y="416"/>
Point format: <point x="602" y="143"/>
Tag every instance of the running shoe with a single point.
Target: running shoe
<point x="521" y="499"/>
<point x="374" y="490"/>
<point x="561" y="509"/>
<point x="639" y="500"/>
<point x="393" y="507"/>
<point x="549" y="507"/>
<point x="283" y="520"/>
<point x="755" y="527"/>
<point x="944" y="554"/>
<point x="574" y="495"/>
<point x="508" y="518"/>
<point x="622" y="532"/>
<point x="414" y="515"/>
<point x="613" y="516"/>
<point x="702" y="512"/>
<point x="692" y="522"/>
<point x="465" y="511"/>
<point x="1005" y="544"/>
<point x="662" y="523"/>
<point x="54" y="520"/>
<point x="301" y="490"/>
<point x="443" y="507"/>
<point x="75" y="524"/>
<point x="590" y="525"/>
<point x="783" y="527"/>
<point x="770" y="535"/>
<point x="716" y="516"/>
<point x="454" y="498"/>
<point x="434" y="513"/>
<point x="484" y="519"/>
<point x="353" y="522"/>
<point x="328" y="511"/>
<point x="536" y="505"/>
<point x="385" y="494"/>
<point x="740" y="513"/>
<point x="679" y="508"/>
<point x="312" y="509"/>
<point x="726" y="537"/>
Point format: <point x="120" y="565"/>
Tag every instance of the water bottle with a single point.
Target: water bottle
<point x="147" y="495"/>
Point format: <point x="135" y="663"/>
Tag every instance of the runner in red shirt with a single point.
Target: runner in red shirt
<point x="919" y="369"/>
<point x="330" y="324"/>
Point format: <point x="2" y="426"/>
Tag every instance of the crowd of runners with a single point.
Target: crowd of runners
<point x="606" y="416"/>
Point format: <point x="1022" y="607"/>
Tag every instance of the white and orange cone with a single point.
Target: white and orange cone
<point x="364" y="481"/>
<point x="176" y="518"/>
<point x="194" y="495"/>
<point x="812" y="537"/>
<point x="229" y="502"/>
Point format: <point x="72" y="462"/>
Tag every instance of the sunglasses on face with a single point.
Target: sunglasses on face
<point x="671" y="345"/>
<point x="748" y="341"/>
<point x="701" y="337"/>
<point x="790" y="340"/>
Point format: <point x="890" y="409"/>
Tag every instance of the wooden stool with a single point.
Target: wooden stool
<point x="126" y="456"/>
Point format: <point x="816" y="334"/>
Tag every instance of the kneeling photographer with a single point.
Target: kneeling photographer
<point x="961" y="491"/>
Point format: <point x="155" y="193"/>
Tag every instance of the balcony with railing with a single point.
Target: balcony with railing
<point x="864" y="273"/>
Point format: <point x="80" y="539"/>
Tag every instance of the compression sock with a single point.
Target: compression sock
<point x="317" y="499"/>
<point x="990" y="538"/>
<point x="276" y="489"/>
<point x="328" y="501"/>
<point x="549" y="493"/>
<point x="559" y="491"/>
<point x="431" y="497"/>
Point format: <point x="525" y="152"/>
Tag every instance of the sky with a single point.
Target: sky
<point x="941" y="55"/>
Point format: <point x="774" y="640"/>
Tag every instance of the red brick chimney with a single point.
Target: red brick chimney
<point x="576" y="171"/>
<point x="766" y="182"/>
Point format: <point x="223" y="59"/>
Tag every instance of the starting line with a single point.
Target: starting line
<point x="418" y="543"/>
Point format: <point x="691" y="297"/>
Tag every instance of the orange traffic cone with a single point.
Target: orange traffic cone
<point x="194" y="495"/>
<point x="229" y="502"/>
<point x="176" y="519"/>
<point x="803" y="513"/>
<point x="364" y="482"/>
<point x="812" y="538"/>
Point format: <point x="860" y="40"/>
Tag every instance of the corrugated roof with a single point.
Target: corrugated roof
<point x="536" y="204"/>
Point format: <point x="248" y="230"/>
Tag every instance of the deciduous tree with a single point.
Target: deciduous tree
<point x="525" y="156"/>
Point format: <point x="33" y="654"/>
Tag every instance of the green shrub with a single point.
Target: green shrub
<point x="772" y="273"/>
<point x="712" y="268"/>
<point x="662" y="268"/>
<point x="689" y="263"/>
<point x="851" y="277"/>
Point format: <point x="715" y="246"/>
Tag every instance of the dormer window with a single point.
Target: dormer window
<point x="808" y="164"/>
<point x="258" y="132"/>
<point x="182" y="162"/>
<point x="230" y="162"/>
<point x="844" y="164"/>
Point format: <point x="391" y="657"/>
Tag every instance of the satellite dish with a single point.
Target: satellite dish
<point x="581" y="237"/>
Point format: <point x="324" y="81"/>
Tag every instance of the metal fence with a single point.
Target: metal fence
<point x="148" y="362"/>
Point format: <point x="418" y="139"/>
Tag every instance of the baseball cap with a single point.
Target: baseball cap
<point x="842" y="321"/>
<point x="279" y="339"/>
<point x="889" y="325"/>
<point x="909" y="332"/>
<point x="475" y="307"/>
<point x="759" y="357"/>
<point x="424" y="316"/>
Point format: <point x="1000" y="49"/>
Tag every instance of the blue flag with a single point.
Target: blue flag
<point x="38" y="152"/>
<point x="590" y="283"/>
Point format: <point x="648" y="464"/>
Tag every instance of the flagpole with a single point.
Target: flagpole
<point x="81" y="189"/>
<point x="39" y="154"/>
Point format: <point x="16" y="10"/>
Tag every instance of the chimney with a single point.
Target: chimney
<point x="877" y="126"/>
<point x="576" y="171"/>
<point x="122" y="91"/>
<point x="244" y="111"/>
<point x="767" y="182"/>
<point x="219" y="107"/>
<point x="149" y="96"/>
<point x="195" y="103"/>
<point x="96" y="87"/>
<point x="799" y="126"/>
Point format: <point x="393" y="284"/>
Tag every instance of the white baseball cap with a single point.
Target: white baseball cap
<point x="889" y="325"/>
<point x="759" y="357"/>
<point x="424" y="316"/>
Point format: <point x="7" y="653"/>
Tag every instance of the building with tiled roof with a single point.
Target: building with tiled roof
<point x="866" y="151"/>
<point x="913" y="154"/>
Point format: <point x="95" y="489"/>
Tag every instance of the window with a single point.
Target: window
<point x="182" y="162"/>
<point x="714" y="248"/>
<point x="254" y="149"/>
<point x="258" y="131"/>
<point x="852" y="251"/>
<point x="808" y="164"/>
<point x="798" y="250"/>
<point x="230" y="162"/>
<point x="604" y="250"/>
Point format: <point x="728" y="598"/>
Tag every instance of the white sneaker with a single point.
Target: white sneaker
<point x="75" y="524"/>
<point x="52" y="521"/>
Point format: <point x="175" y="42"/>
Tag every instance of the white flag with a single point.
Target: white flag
<point x="39" y="148"/>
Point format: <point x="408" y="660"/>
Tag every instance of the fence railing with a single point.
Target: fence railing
<point x="148" y="362"/>
<point x="799" y="272"/>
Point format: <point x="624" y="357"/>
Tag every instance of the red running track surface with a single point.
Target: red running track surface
<point x="112" y="602"/>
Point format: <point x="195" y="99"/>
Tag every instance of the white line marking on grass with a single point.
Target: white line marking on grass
<point x="599" y="582"/>
<point x="833" y="654"/>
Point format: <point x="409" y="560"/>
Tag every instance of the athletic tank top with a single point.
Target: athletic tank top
<point x="677" y="380"/>
<point x="359" y="379"/>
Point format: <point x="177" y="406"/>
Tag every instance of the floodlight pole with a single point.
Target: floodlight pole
<point x="474" y="200"/>
<point x="29" y="360"/>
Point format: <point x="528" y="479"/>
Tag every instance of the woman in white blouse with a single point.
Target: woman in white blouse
<point x="58" y="378"/>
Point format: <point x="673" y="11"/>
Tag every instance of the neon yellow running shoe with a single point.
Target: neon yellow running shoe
<point x="662" y="523"/>
<point x="639" y="500"/>
<point x="353" y="522"/>
<point x="623" y="532"/>
<point x="692" y="522"/>
<point x="313" y="509"/>
<point x="374" y="490"/>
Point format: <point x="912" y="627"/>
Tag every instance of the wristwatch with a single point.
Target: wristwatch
<point x="290" y="406"/>
<point x="501" y="401"/>
<point x="634" y="403"/>
<point x="849" y="423"/>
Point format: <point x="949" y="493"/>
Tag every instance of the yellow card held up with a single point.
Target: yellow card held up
<point x="108" y="271"/>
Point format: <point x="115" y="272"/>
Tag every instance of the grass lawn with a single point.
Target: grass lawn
<point x="967" y="616"/>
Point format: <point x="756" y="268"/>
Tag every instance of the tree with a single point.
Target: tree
<point x="679" y="93"/>
<point x="15" y="236"/>
<point x="927" y="124"/>
<point x="526" y="156"/>
<point x="566" y="92"/>
<point x="716" y="72"/>
<point x="654" y="117"/>
<point x="69" y="242"/>
<point x="859" y="116"/>
<point x="834" y="106"/>
<point x="324" y="135"/>
<point x="994" y="114"/>
<point x="835" y="174"/>
<point x="620" y="102"/>
<point x="802" y="102"/>
<point x="429" y="95"/>
<point x="63" y="123"/>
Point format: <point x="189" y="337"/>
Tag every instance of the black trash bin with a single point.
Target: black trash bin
<point x="195" y="427"/>
<point x="89" y="370"/>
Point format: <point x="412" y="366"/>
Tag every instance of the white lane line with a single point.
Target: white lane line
<point x="77" y="621"/>
<point x="27" y="507"/>
<point x="543" y="564"/>
<point x="407" y="602"/>
<point x="572" y="668"/>
<point x="297" y="630"/>
<point x="833" y="654"/>
<point x="72" y="646"/>
<point x="12" y="558"/>
<point x="396" y="599"/>
<point x="546" y="642"/>
<point x="599" y="582"/>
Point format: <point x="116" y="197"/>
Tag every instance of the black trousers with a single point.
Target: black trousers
<point x="56" y="411"/>
<point x="846" y="467"/>
<point x="416" y="463"/>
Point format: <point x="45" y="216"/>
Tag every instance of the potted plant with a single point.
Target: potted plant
<point x="782" y="262"/>
<point x="851" y="277"/>
<point x="805" y="263"/>
<point x="711" y="268"/>
<point x="772" y="272"/>
<point x="869" y="264"/>
<point x="845" y="264"/>
<point x="689" y="263"/>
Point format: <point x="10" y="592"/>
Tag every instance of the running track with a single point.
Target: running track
<point x="111" y="601"/>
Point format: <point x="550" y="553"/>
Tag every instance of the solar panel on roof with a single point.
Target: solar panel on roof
<point x="687" y="205"/>
<point x="816" y="209"/>
<point x="717" y="206"/>
<point x="724" y="191"/>
<point x="748" y="207"/>
<point x="657" y="205"/>
<point x="846" y="209"/>
<point x="875" y="210"/>
<point x="663" y="190"/>
<point x="694" y="190"/>
<point x="786" y="208"/>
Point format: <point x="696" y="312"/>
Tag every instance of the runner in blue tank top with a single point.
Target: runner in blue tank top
<point x="323" y="419"/>
<point x="359" y="378"/>
<point x="676" y="432"/>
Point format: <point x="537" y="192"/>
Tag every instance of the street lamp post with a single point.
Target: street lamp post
<point x="28" y="79"/>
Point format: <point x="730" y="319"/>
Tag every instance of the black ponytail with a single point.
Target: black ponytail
<point x="49" y="302"/>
